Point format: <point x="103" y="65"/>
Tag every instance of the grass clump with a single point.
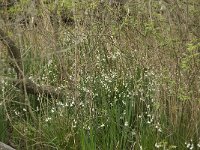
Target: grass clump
<point x="129" y="75"/>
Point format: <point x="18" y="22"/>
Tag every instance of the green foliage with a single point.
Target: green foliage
<point x="191" y="55"/>
<point x="109" y="117"/>
<point x="133" y="77"/>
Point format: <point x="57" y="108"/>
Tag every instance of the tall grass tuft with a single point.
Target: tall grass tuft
<point x="129" y="74"/>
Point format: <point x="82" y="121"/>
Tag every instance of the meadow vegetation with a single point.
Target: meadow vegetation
<point x="95" y="75"/>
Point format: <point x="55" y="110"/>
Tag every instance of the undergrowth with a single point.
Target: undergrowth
<point x="129" y="73"/>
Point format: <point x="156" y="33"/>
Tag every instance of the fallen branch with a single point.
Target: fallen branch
<point x="35" y="89"/>
<point x="21" y="81"/>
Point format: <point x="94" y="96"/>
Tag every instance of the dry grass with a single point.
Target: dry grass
<point x="146" y="49"/>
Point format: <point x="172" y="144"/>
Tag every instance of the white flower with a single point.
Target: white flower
<point x="126" y="123"/>
<point x="60" y="103"/>
<point x="72" y="104"/>
<point x="47" y="119"/>
<point x="192" y="146"/>
<point x="124" y="113"/>
<point x="157" y="145"/>
<point x="50" y="62"/>
<point x="140" y="147"/>
<point x="74" y="123"/>
<point x="133" y="132"/>
<point x="188" y="145"/>
<point x="102" y="125"/>
<point x="53" y="110"/>
<point x="198" y="145"/>
<point x="81" y="104"/>
<point x="66" y="104"/>
<point x="16" y="113"/>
